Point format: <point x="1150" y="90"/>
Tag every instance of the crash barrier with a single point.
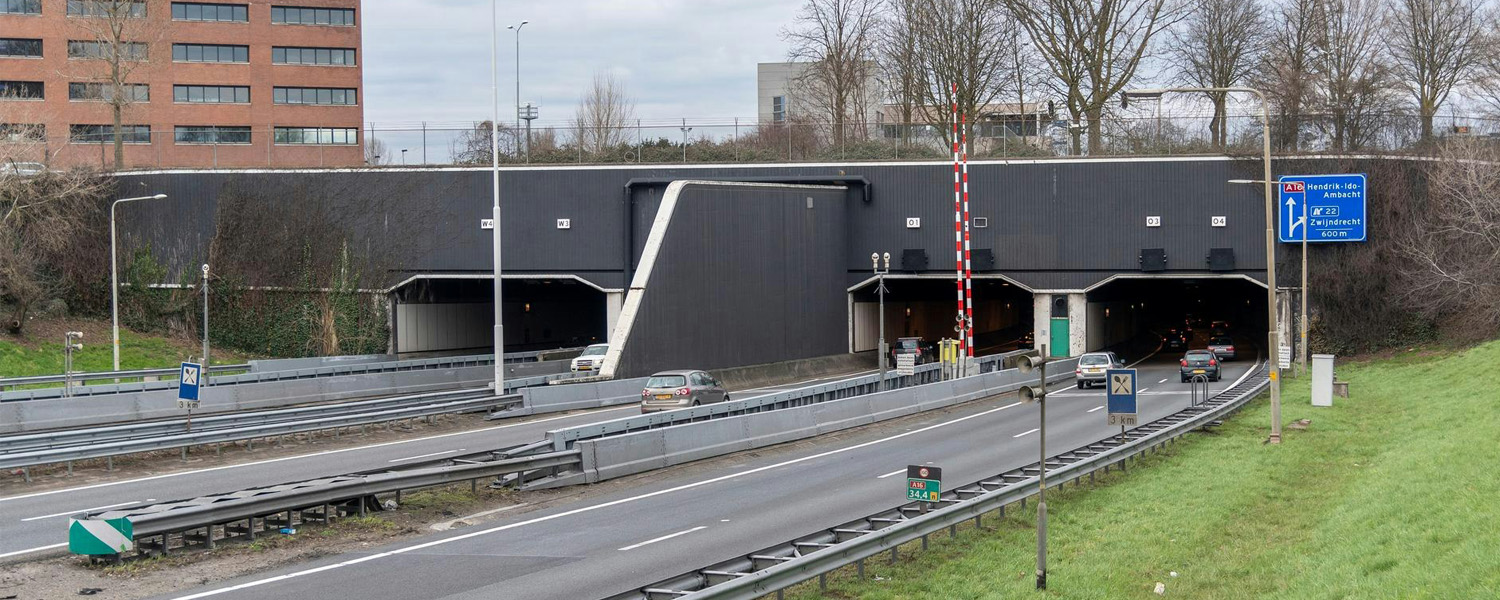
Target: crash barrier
<point x="617" y="456"/>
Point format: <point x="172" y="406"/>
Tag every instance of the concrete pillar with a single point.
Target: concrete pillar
<point x="1041" y="317"/>
<point x="1078" y="320"/>
<point x="613" y="302"/>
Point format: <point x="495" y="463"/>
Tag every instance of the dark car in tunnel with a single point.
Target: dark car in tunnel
<point x="923" y="351"/>
<point x="1200" y="362"/>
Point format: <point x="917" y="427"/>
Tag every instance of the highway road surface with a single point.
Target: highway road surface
<point x="682" y="518"/>
<point x="35" y="524"/>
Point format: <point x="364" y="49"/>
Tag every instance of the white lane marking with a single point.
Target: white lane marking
<point x="30" y="550"/>
<point x="301" y="456"/>
<point x="585" y="509"/>
<point x="84" y="510"/>
<point x="446" y="525"/>
<point x="1142" y="390"/>
<point x="1026" y="433"/>
<point x="1159" y="345"/>
<point x="426" y="455"/>
<point x="662" y="538"/>
<point x="1096" y="409"/>
<point x="1162" y="381"/>
<point x="891" y="474"/>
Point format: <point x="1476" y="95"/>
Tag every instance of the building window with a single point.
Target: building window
<point x="133" y="51"/>
<point x="211" y="94"/>
<point x="296" y="15"/>
<point x="210" y="53"/>
<point x="197" y="134"/>
<point x="23" y="132"/>
<point x="20" y="7"/>
<point x="778" y="109"/>
<point x="322" y="136"/>
<point x="312" y="56"/>
<point x="100" y="134"/>
<point x="106" y="8"/>
<point x="324" y="96"/>
<point x="198" y="11"/>
<point x="133" y="92"/>
<point x="22" y="90"/>
<point x="20" y="47"/>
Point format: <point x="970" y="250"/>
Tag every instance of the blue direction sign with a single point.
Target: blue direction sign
<point x="1334" y="206"/>
<point x="1120" y="394"/>
<point x="187" y="384"/>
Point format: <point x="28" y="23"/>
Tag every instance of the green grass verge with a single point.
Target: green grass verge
<point x="1392" y="493"/>
<point x="136" y="352"/>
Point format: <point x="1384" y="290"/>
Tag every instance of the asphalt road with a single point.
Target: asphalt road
<point x="35" y="524"/>
<point x="681" y="519"/>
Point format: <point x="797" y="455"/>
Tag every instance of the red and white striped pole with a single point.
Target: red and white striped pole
<point x="958" y="230"/>
<point x="968" y="271"/>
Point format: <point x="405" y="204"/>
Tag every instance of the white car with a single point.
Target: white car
<point x="22" y="169"/>
<point x="592" y="359"/>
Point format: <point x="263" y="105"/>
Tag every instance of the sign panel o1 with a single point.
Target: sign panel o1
<point x="906" y="364"/>
<point x="924" y="483"/>
<point x="1334" y="204"/>
<point x="1120" y="393"/>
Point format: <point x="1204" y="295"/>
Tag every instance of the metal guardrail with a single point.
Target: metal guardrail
<point x="773" y="569"/>
<point x="107" y="442"/>
<point x="562" y="439"/>
<point x="194" y="520"/>
<point x="211" y="518"/>
<point x="246" y="375"/>
<point x="11" y="382"/>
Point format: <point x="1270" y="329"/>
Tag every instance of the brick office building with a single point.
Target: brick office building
<point x="230" y="84"/>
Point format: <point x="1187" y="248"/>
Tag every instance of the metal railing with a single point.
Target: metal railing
<point x="14" y="382"/>
<point x="773" y="569"/>
<point x="247" y="375"/>
<point x="749" y="140"/>
<point x="23" y="451"/>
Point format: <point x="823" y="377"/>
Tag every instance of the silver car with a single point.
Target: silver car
<point x="671" y="390"/>
<point x="1092" y="367"/>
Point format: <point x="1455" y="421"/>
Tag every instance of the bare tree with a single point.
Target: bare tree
<point x="965" y="57"/>
<point x="377" y="152"/>
<point x="119" y="39"/>
<point x="1287" y="72"/>
<point x="1094" y="47"/>
<point x="1354" y="81"/>
<point x="472" y="146"/>
<point x="1453" y="273"/>
<point x="1436" y="44"/>
<point x="901" y="73"/>
<point x="40" y="218"/>
<point x="603" y="114"/>
<point x="834" y="42"/>
<point x="1218" y="45"/>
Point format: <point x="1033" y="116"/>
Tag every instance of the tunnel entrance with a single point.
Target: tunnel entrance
<point x="1140" y="312"/>
<point x="457" y="315"/>
<point x="927" y="307"/>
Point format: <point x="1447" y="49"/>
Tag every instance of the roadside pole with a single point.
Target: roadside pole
<point x="205" y="325"/>
<point x="1302" y="323"/>
<point x="880" y="290"/>
<point x="1041" y="499"/>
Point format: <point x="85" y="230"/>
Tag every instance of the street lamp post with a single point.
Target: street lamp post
<point x="517" y="29"/>
<point x="499" y="331"/>
<point x="1273" y="325"/>
<point x="685" y="131"/>
<point x="403" y="157"/>
<point x="114" y="275"/>
<point x="880" y="290"/>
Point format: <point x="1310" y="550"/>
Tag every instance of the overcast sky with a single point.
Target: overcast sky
<point x="428" y="60"/>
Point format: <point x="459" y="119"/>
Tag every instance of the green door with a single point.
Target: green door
<point x="1059" y="344"/>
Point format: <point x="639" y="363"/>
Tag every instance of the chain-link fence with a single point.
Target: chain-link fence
<point x="731" y="141"/>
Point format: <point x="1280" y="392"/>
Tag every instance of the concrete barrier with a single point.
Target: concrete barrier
<point x="86" y="411"/>
<point x="575" y="396"/>
<point x="631" y="453"/>
<point x="740" y="378"/>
